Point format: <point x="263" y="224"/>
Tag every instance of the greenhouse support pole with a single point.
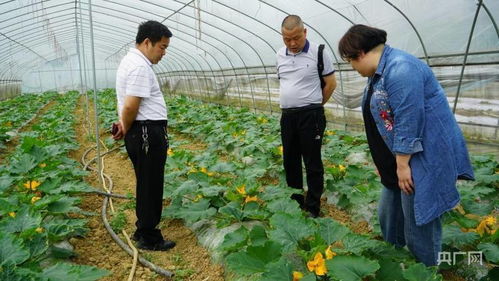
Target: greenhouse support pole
<point x="55" y="79"/>
<point x="479" y="5"/>
<point x="105" y="72"/>
<point x="71" y="73"/>
<point x="79" y="57"/>
<point x="40" y="78"/>
<point x="99" y="164"/>
<point x="84" y="86"/>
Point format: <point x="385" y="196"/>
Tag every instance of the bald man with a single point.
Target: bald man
<point x="302" y="102"/>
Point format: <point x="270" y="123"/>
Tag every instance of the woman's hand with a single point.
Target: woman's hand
<point x="404" y="174"/>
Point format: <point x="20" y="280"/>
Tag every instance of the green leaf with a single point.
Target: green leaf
<point x="284" y="205"/>
<point x="478" y="208"/>
<point x="14" y="273"/>
<point x="63" y="205"/>
<point x="493" y="275"/>
<point x="5" y="182"/>
<point x="188" y="187"/>
<point x="212" y="191"/>
<point x="11" y="251"/>
<point x="236" y="239"/>
<point x="23" y="164"/>
<point x="389" y="271"/>
<point x="197" y="211"/>
<point x="233" y="210"/>
<point x="278" y="271"/>
<point x="61" y="253"/>
<point x="23" y="220"/>
<point x="356" y="243"/>
<point x="276" y="192"/>
<point x="453" y="236"/>
<point x="419" y="272"/>
<point x="491" y="252"/>
<point x="58" y="228"/>
<point x="289" y="229"/>
<point x="37" y="245"/>
<point x="330" y="230"/>
<point x="390" y="252"/>
<point x="65" y="271"/>
<point x="254" y="259"/>
<point x="68" y="187"/>
<point x="462" y="220"/>
<point x="258" y="235"/>
<point x="351" y="268"/>
<point x="223" y="167"/>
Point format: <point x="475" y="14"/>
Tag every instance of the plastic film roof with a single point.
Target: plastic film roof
<point x="48" y="36"/>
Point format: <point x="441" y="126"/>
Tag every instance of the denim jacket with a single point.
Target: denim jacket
<point x="413" y="117"/>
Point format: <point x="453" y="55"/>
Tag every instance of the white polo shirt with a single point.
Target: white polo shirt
<point x="299" y="77"/>
<point x="135" y="77"/>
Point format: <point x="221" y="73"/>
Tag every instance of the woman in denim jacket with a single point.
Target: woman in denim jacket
<point x="414" y="139"/>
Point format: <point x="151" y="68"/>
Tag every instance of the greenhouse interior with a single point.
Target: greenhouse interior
<point x="69" y="206"/>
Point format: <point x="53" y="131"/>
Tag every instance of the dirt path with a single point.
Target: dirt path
<point x="188" y="260"/>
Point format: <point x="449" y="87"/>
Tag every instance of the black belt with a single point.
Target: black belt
<point x="151" y="122"/>
<point x="302" y="108"/>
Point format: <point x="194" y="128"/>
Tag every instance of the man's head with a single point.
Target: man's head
<point x="152" y="40"/>
<point x="294" y="34"/>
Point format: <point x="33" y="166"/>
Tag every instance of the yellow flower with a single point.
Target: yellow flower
<point x="199" y="196"/>
<point x="12" y="214"/>
<point x="250" y="199"/>
<point x="297" y="275"/>
<point x="490" y="220"/>
<point x="241" y="190"/>
<point x="342" y="168"/>
<point x="487" y="225"/>
<point x="205" y="171"/>
<point x="317" y="265"/>
<point x="32" y="185"/>
<point x="262" y="120"/>
<point x="34" y="199"/>
<point x="281" y="150"/>
<point x="169" y="152"/>
<point x="330" y="133"/>
<point x="192" y="170"/>
<point x="42" y="165"/>
<point x="329" y="254"/>
<point x="39" y="229"/>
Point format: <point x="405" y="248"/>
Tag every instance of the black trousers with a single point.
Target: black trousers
<point x="146" y="144"/>
<point x="301" y="133"/>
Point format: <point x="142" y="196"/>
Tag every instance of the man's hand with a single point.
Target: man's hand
<point x="118" y="130"/>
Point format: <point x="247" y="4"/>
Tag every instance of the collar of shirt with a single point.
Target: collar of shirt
<point x="382" y="62"/>
<point x="304" y="50"/>
<point x="140" y="54"/>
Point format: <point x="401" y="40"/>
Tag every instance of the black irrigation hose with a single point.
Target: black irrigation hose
<point x="112" y="194"/>
<point x="113" y="234"/>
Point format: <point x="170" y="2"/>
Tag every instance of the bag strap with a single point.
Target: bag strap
<point x="320" y="64"/>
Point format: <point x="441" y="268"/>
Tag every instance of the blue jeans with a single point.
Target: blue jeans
<point x="398" y="226"/>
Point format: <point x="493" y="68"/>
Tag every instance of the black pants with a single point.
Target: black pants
<point x="146" y="144"/>
<point x="301" y="134"/>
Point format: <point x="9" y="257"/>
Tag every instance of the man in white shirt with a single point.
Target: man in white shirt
<point x="143" y="120"/>
<point x="301" y="100"/>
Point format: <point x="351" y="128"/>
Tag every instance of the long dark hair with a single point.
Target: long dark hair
<point x="360" y="38"/>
